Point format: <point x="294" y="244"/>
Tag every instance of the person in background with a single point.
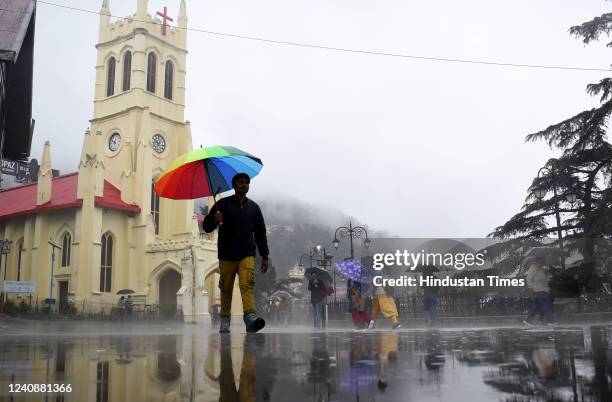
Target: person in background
<point x="129" y="306"/>
<point x="121" y="307"/>
<point x="357" y="304"/>
<point x="241" y="229"/>
<point x="384" y="303"/>
<point x="540" y="301"/>
<point x="430" y="297"/>
<point x="317" y="298"/>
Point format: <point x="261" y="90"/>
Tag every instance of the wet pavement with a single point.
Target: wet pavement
<point x="175" y="362"/>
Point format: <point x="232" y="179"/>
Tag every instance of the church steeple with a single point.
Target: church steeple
<point x="104" y="20"/>
<point x="141" y="9"/>
<point x="182" y="17"/>
<point x="45" y="177"/>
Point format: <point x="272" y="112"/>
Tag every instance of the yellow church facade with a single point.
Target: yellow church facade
<point x="109" y="229"/>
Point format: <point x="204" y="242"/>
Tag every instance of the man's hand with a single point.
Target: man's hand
<point x="264" y="265"/>
<point x="218" y="217"/>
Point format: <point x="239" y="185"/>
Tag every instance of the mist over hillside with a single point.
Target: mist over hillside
<point x="296" y="226"/>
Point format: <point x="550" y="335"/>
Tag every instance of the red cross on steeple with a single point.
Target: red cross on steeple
<point x="166" y="18"/>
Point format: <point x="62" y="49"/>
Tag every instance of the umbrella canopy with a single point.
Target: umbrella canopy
<point x="125" y="292"/>
<point x="354" y="270"/>
<point x="205" y="171"/>
<point x="324" y="276"/>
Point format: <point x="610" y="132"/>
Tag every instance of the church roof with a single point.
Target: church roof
<point x="19" y="201"/>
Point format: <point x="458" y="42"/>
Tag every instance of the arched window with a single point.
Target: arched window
<point x="19" y="260"/>
<point x="155" y="207"/>
<point x="127" y="70"/>
<point x="110" y="77"/>
<point x="169" y="78"/>
<point x="151" y="71"/>
<point x="66" y="242"/>
<point x="106" y="263"/>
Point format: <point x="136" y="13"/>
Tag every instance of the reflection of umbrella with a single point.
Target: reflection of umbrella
<point x="125" y="292"/>
<point x="281" y="294"/>
<point x="205" y="171"/>
<point x="323" y="275"/>
<point x="353" y="269"/>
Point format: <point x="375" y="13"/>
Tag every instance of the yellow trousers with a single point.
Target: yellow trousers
<point x="386" y="305"/>
<point x="245" y="269"/>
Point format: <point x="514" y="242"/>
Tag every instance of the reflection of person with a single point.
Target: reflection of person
<point x="384" y="303"/>
<point x="241" y="228"/>
<point x="541" y="302"/>
<point x="317" y="299"/>
<point x="387" y="353"/>
<point x="227" y="383"/>
<point x="544" y="359"/>
<point x="357" y="307"/>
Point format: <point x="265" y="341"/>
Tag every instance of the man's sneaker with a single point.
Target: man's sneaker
<point x="224" y="326"/>
<point x="397" y="326"/>
<point x="529" y="323"/>
<point x="371" y="325"/>
<point x="253" y="323"/>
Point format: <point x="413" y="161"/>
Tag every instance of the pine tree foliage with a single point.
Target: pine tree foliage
<point x="584" y="168"/>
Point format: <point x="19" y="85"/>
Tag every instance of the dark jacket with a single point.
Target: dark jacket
<point x="242" y="228"/>
<point x="317" y="292"/>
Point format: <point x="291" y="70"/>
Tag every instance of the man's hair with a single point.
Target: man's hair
<point x="240" y="176"/>
<point x="540" y="260"/>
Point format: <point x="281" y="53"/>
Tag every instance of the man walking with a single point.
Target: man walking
<point x="241" y="229"/>
<point x="541" y="302"/>
<point x="317" y="299"/>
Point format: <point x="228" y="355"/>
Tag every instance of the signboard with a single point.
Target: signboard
<point x="23" y="171"/>
<point x="19" y="287"/>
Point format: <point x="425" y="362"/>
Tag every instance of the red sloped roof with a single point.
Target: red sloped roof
<point x="21" y="200"/>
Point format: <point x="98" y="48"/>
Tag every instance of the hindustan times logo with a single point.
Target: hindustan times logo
<point x="411" y="260"/>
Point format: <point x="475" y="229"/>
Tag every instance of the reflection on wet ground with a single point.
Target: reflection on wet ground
<point x="558" y="364"/>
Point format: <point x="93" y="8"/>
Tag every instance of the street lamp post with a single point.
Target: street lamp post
<point x="352" y="233"/>
<point x="5" y="248"/>
<point x="53" y="247"/>
<point x="309" y="255"/>
<point x="325" y="258"/>
<point x="539" y="193"/>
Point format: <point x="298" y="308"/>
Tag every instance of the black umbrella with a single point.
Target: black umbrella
<point x="323" y="275"/>
<point x="125" y="292"/>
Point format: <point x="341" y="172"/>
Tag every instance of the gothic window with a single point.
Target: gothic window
<point x="151" y="71"/>
<point x="66" y="240"/>
<point x="102" y="382"/>
<point x="19" y="260"/>
<point x="106" y="263"/>
<point x="155" y="207"/>
<point x="127" y="70"/>
<point x="110" y="77"/>
<point x="169" y="78"/>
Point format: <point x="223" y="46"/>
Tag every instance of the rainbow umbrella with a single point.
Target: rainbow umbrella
<point x="205" y="171"/>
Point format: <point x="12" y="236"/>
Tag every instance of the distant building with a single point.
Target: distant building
<point x="17" y="19"/>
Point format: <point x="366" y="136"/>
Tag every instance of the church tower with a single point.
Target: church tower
<point x="139" y="106"/>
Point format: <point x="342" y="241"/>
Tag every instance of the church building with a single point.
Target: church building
<point x="104" y="223"/>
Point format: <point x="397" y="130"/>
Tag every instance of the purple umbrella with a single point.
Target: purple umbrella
<point x="354" y="270"/>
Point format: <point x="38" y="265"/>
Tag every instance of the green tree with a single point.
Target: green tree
<point x="583" y="168"/>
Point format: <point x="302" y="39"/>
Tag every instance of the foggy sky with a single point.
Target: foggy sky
<point x="417" y="148"/>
